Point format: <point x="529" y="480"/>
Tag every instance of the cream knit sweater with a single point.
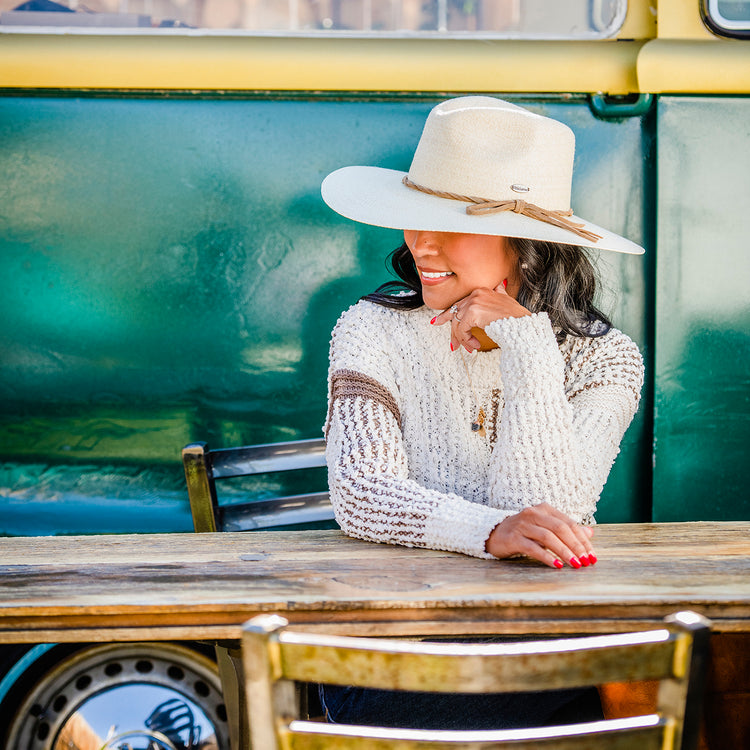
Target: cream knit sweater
<point x="405" y="467"/>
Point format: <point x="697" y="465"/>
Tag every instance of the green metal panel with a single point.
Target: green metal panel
<point x="169" y="273"/>
<point x="702" y="388"/>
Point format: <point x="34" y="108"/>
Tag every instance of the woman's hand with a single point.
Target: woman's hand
<point x="469" y="316"/>
<point x="545" y="534"/>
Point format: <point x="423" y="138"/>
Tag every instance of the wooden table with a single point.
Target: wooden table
<point x="204" y="586"/>
<point x="193" y="586"/>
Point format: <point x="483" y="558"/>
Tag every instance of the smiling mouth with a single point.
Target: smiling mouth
<point x="435" y="275"/>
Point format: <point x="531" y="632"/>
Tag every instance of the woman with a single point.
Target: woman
<point x="477" y="406"/>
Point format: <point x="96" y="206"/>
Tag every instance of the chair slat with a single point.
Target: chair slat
<point x="280" y="511"/>
<point x="483" y="668"/>
<point x="638" y="733"/>
<point x="269" y="457"/>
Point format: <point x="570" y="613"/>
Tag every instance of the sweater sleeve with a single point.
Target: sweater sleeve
<point x="557" y="440"/>
<point x="374" y="499"/>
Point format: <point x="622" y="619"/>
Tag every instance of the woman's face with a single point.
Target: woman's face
<point x="452" y="265"/>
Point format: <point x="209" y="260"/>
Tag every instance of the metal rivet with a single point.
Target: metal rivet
<point x="520" y="188"/>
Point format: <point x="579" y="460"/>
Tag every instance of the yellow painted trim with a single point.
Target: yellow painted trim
<point x="640" y="21"/>
<point x="310" y="64"/>
<point x="681" y="19"/>
<point x="692" y="67"/>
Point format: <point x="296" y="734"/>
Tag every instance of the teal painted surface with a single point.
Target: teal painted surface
<point x="169" y="273"/>
<point x="702" y="396"/>
<point x="22" y="665"/>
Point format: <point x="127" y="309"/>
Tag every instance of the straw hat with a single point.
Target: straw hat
<point x="482" y="166"/>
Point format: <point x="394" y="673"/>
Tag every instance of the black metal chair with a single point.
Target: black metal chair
<point x="203" y="467"/>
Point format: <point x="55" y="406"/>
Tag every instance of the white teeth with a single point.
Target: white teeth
<point x="436" y="275"/>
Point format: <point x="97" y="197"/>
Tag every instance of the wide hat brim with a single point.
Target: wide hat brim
<point x="377" y="196"/>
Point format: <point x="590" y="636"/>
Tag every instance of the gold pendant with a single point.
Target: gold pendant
<point x="478" y="425"/>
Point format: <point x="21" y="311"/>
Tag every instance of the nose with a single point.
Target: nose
<point x="426" y="243"/>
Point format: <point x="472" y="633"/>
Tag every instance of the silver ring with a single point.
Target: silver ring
<point x="454" y="310"/>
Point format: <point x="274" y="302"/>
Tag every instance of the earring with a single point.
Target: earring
<point x="524" y="266"/>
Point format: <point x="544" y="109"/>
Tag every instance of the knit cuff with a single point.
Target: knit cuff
<point x="530" y="355"/>
<point x="529" y="332"/>
<point x="464" y="529"/>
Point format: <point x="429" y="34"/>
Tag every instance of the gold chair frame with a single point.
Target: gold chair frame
<point x="276" y="656"/>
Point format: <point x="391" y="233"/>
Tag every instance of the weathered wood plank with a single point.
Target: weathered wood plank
<point x="209" y="583"/>
<point x="204" y="586"/>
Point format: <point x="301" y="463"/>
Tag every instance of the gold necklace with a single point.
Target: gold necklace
<point x="477" y="424"/>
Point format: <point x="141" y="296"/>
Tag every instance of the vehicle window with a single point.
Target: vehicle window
<point x="561" y="19"/>
<point x="728" y="17"/>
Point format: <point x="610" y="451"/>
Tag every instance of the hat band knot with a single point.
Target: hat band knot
<point x="484" y="207"/>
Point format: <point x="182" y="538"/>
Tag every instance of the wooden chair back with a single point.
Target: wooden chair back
<point x="203" y="467"/>
<point x="275" y="656"/>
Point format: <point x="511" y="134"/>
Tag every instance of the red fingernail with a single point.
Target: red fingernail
<point x="584" y="560"/>
<point x="558" y="564"/>
<point x="433" y="320"/>
<point x="575" y="562"/>
<point x="505" y="283"/>
<point x="592" y="558"/>
<point x="452" y="348"/>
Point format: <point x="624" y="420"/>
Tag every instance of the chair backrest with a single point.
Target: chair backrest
<point x="203" y="467"/>
<point x="274" y="656"/>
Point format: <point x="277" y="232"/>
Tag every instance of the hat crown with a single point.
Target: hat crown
<point x="487" y="148"/>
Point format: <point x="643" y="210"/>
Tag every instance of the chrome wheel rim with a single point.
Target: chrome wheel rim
<point x="139" y="696"/>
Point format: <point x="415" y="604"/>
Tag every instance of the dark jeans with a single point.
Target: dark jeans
<point x="463" y="711"/>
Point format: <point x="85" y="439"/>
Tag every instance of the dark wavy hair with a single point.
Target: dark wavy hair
<point x="554" y="278"/>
